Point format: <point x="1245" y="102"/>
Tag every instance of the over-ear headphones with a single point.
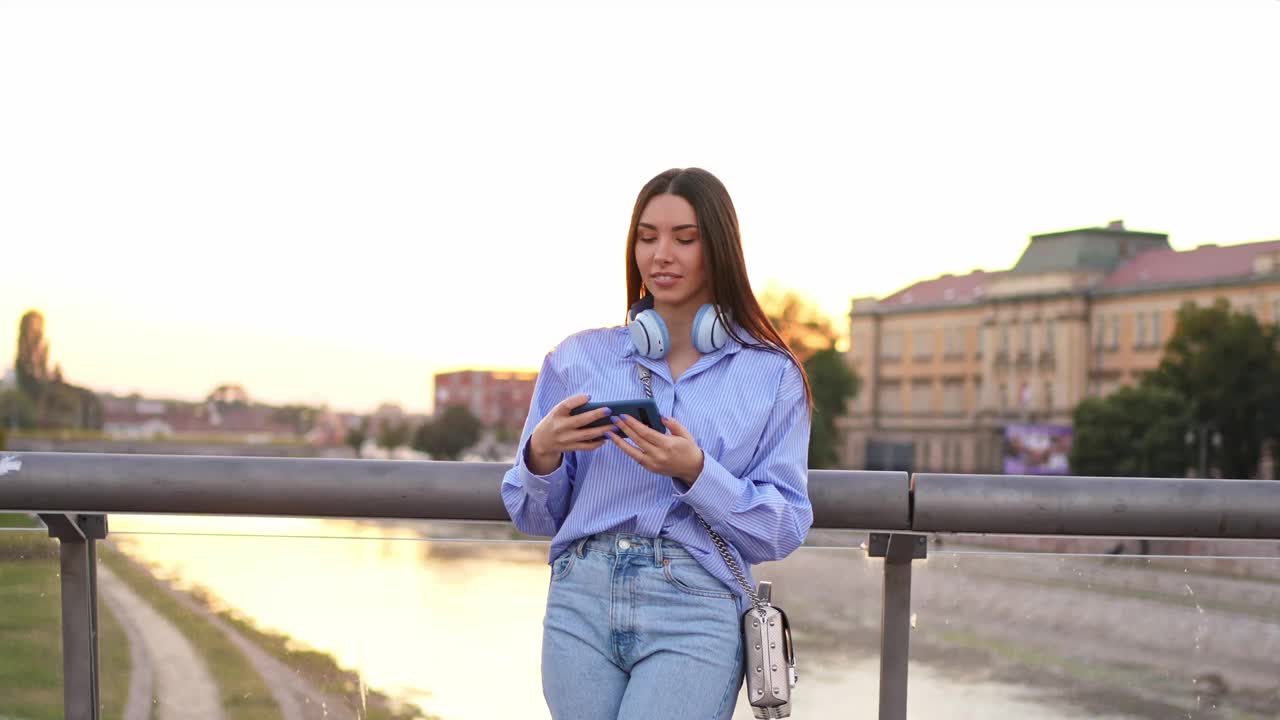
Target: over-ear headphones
<point x="650" y="336"/>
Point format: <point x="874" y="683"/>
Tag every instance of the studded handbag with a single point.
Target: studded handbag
<point x="768" y="654"/>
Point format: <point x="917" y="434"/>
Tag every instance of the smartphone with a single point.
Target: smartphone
<point x="645" y="410"/>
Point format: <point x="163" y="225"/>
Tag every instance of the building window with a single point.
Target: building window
<point x="1004" y="338"/>
<point x="922" y="343"/>
<point x="953" y="342"/>
<point x="1113" y="341"/>
<point x="1140" y="331"/>
<point x="1049" y="328"/>
<point x="921" y="397"/>
<point x="1157" y="335"/>
<point x="890" y="398"/>
<point x="924" y="455"/>
<point x="953" y="397"/>
<point x="977" y="392"/>
<point x="1048" y="397"/>
<point x="1004" y="398"/>
<point x="1026" y="337"/>
<point x="1099" y="328"/>
<point x="891" y="345"/>
<point x="977" y="339"/>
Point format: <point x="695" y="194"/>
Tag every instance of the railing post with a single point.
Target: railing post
<point x="898" y="550"/>
<point x="77" y="535"/>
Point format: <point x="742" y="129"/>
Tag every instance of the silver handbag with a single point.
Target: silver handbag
<point x="768" y="655"/>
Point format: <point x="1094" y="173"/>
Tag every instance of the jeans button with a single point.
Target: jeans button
<point x="624" y="544"/>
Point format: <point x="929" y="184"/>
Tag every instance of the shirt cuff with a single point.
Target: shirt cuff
<point x="713" y="494"/>
<point x="540" y="487"/>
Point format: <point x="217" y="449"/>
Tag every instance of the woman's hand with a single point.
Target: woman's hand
<point x="559" y="432"/>
<point x="676" y="455"/>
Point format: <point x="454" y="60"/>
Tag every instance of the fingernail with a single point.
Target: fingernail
<point x="608" y="433"/>
<point x="607" y="411"/>
<point x="615" y="419"/>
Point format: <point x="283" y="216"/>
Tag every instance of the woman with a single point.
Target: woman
<point x="642" y="615"/>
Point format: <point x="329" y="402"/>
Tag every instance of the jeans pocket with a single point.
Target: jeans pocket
<point x="691" y="578"/>
<point x="562" y="565"/>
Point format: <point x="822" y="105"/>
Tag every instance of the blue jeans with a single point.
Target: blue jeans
<point x="636" y="628"/>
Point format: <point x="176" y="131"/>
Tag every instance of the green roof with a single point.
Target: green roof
<point x="1087" y="249"/>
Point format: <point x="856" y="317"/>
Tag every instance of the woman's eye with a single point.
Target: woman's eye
<point x="647" y="239"/>
<point x="686" y="241"/>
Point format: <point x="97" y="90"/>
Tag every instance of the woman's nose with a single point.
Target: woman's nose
<point x="663" y="253"/>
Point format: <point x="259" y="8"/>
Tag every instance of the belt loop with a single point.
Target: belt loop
<point x="581" y="549"/>
<point x="657" y="551"/>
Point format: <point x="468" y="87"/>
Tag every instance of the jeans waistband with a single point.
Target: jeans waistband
<point x="628" y="544"/>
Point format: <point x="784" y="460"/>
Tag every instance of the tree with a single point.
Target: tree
<point x="45" y="398"/>
<point x="1227" y="367"/>
<point x="812" y="337"/>
<point x="392" y="435"/>
<point x="833" y="383"/>
<point x="445" y="437"/>
<point x="32" y="363"/>
<point x="17" y="411"/>
<point x="805" y="329"/>
<point x="357" y="435"/>
<point x="1137" y="431"/>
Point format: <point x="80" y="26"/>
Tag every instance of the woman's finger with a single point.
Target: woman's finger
<point x="587" y="446"/>
<point x="642" y="434"/>
<point x="587" y="418"/>
<point x="569" y="403"/>
<point x="635" y="453"/>
<point x="676" y="428"/>
<point x="586" y="434"/>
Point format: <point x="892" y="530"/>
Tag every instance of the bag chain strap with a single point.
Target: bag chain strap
<point x="721" y="545"/>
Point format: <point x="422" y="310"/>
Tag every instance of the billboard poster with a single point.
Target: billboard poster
<point x="1037" y="449"/>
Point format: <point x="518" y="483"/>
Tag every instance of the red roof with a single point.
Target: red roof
<point x="1162" y="267"/>
<point x="944" y="290"/>
<point x="1155" y="268"/>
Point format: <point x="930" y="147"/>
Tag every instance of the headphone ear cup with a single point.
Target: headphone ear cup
<point x="649" y="335"/>
<point x="709" y="332"/>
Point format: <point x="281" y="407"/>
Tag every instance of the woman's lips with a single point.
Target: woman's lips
<point x="664" y="280"/>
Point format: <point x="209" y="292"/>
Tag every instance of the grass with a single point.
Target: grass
<point x="18" y="520"/>
<point x="31" y="634"/>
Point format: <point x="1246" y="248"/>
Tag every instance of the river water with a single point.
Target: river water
<point x="454" y="626"/>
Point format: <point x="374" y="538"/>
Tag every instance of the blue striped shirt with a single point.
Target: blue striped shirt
<point x="746" y="408"/>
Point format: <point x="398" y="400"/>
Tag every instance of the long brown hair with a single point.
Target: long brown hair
<point x="722" y="252"/>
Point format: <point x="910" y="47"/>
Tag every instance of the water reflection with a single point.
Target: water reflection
<point x="456" y="626"/>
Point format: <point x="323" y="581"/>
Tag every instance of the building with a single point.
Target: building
<point x="500" y="399"/>
<point x="947" y="363"/>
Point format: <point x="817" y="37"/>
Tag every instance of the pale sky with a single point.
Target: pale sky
<point x="330" y="201"/>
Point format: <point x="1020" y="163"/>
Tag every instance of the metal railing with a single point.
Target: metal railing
<point x="73" y="493"/>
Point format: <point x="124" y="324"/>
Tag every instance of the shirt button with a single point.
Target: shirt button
<point x="624" y="544"/>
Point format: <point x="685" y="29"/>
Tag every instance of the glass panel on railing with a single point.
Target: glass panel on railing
<point x="385" y="626"/>
<point x="1116" y="634"/>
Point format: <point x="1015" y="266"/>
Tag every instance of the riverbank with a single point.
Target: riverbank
<point x="260" y="675"/>
<point x="154" y="645"/>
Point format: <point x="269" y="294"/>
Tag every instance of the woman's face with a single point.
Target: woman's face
<point x="669" y="253"/>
